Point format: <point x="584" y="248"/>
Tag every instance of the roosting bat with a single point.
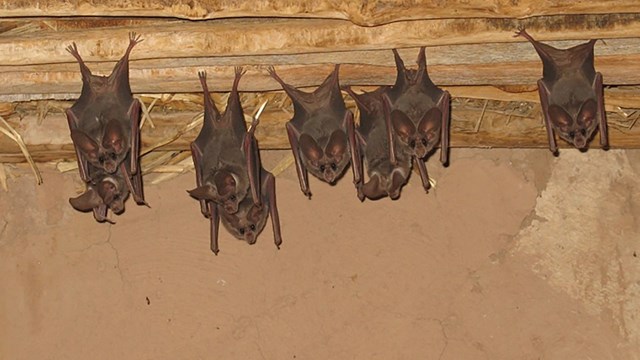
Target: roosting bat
<point x="321" y="132"/>
<point x="104" y="121"/>
<point x="373" y="141"/>
<point x="419" y="113"/>
<point x="231" y="182"/>
<point x="248" y="222"/>
<point x="571" y="94"/>
<point x="220" y="163"/>
<point x="104" y="191"/>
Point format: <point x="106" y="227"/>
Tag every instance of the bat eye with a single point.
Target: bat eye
<point x="583" y="132"/>
<point x="424" y="142"/>
<point x="334" y="166"/>
<point x="116" y="196"/>
<point x="101" y="158"/>
<point x="113" y="156"/>
<point x="322" y="167"/>
<point x="252" y="227"/>
<point x="242" y="231"/>
<point x="572" y="134"/>
<point x="232" y="198"/>
<point x="412" y="143"/>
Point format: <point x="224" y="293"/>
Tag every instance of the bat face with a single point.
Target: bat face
<point x="248" y="222"/>
<point x="419" y="109"/>
<point x="329" y="163"/>
<point x="421" y="139"/>
<point x="106" y="154"/>
<point x="571" y="93"/>
<point x="222" y="188"/>
<point x="578" y="129"/>
<point x="384" y="184"/>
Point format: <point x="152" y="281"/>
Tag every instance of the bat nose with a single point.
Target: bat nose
<point x="580" y="143"/>
<point x="250" y="237"/>
<point x="329" y="176"/>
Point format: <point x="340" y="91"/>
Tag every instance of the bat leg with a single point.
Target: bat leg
<point x="83" y="164"/>
<point x="270" y="192"/>
<point x="293" y="135"/>
<point x="424" y="175"/>
<point x="386" y="106"/>
<point x="214" y="221"/>
<point x="252" y="156"/>
<point x="604" y="130"/>
<point x="544" y="103"/>
<point x="356" y="160"/>
<point x="444" y="105"/>
<point x="134" y="116"/>
<point x="196" y="154"/>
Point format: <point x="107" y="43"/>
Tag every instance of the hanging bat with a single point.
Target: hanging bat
<point x="104" y="121"/>
<point x="419" y="113"/>
<point x="251" y="215"/>
<point x="373" y="138"/>
<point x="218" y="156"/>
<point x="571" y="94"/>
<point x="105" y="191"/>
<point x="321" y="132"/>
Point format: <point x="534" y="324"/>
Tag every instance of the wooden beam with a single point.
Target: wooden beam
<point x="173" y="40"/>
<point x="512" y="64"/>
<point x="359" y="12"/>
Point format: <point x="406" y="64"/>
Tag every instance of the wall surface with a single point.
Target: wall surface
<point x="514" y="255"/>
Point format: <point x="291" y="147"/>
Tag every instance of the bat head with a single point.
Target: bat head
<point x="108" y="153"/>
<point x="222" y="188"/>
<point x="248" y="222"/>
<point x="577" y="130"/>
<point x="329" y="163"/>
<point x="113" y="193"/>
<point x="110" y="191"/>
<point x="421" y="139"/>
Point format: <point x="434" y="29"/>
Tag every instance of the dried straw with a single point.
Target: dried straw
<point x="12" y="134"/>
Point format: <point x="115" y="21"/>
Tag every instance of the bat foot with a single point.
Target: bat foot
<point x="215" y="251"/>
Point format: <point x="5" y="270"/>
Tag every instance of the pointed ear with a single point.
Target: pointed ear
<point x="402" y="125"/>
<point x="225" y="182"/>
<point x="113" y="137"/>
<point x="430" y="123"/>
<point x="560" y="118"/>
<point x="86" y="201"/>
<point x="204" y="192"/>
<point x="337" y="145"/>
<point x="587" y="113"/>
<point x="86" y="144"/>
<point x="309" y="148"/>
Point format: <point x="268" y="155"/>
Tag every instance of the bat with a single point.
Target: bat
<point x="321" y="132"/>
<point x="104" y="121"/>
<point x="419" y="113"/>
<point x="218" y="154"/>
<point x="105" y="191"/>
<point x="571" y="94"/>
<point x="251" y="216"/>
<point x="373" y="138"/>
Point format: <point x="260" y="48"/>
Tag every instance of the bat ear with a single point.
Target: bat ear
<point x="560" y="118"/>
<point x="430" y="123"/>
<point x="402" y="125"/>
<point x="86" y="144"/>
<point x="337" y="144"/>
<point x="204" y="192"/>
<point x="225" y="182"/>
<point x="87" y="201"/>
<point x="587" y="114"/>
<point x="310" y="148"/>
<point x="113" y="137"/>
